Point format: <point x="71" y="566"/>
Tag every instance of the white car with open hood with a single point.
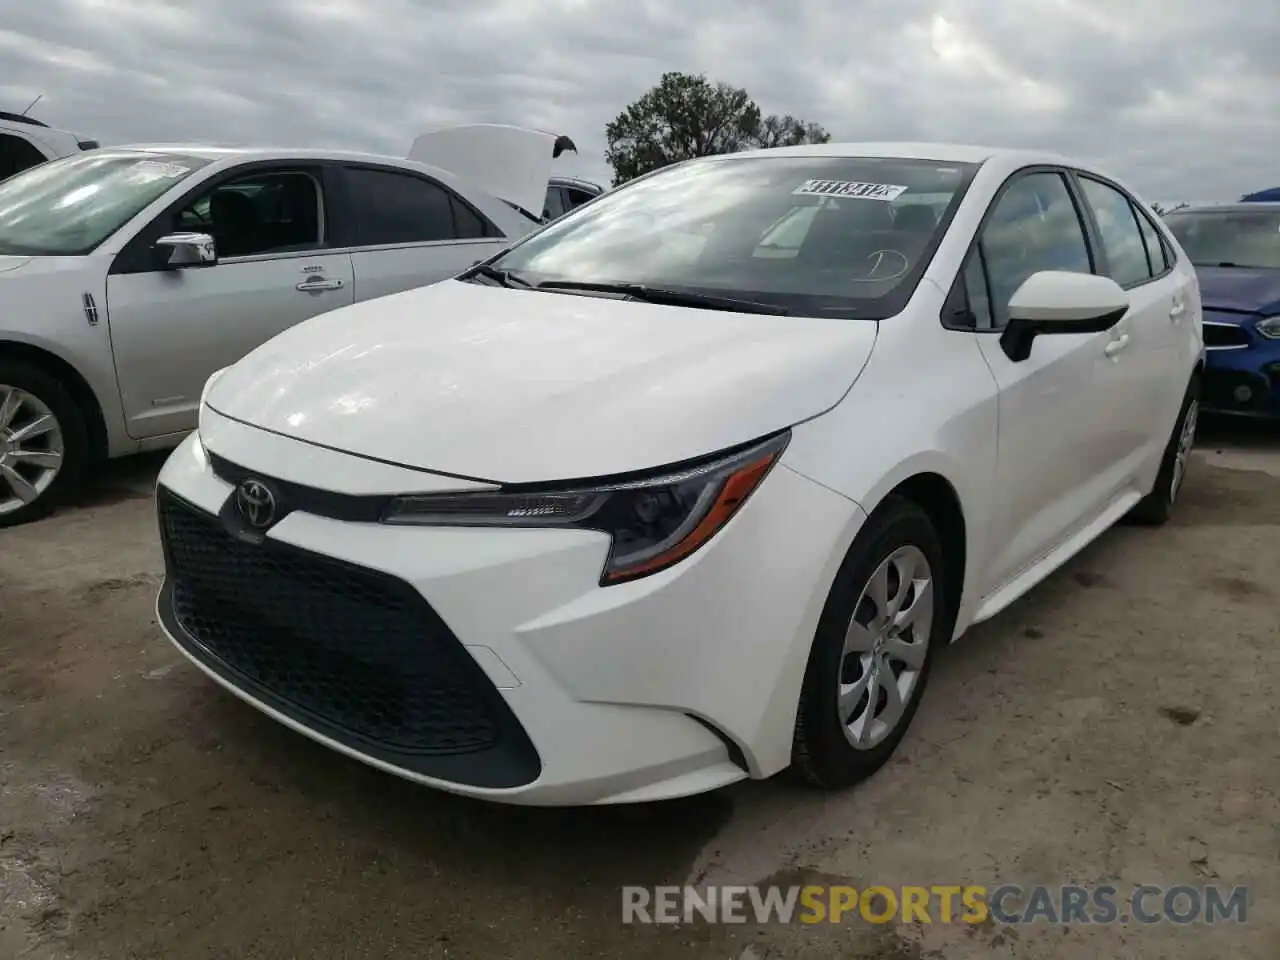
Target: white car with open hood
<point x="694" y="483"/>
<point x="129" y="274"/>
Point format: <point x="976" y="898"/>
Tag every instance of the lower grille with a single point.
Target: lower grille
<point x="355" y="654"/>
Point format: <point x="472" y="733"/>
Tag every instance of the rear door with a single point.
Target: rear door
<point x="277" y="266"/>
<point x="1145" y="355"/>
<point x="410" y="230"/>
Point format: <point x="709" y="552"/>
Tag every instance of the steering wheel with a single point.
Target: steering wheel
<point x="885" y="265"/>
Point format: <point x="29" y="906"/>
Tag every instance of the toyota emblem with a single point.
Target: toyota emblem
<point x="256" y="503"/>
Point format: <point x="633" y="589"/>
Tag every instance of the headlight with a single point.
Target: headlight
<point x="1269" y="328"/>
<point x="204" y="393"/>
<point x="654" y="522"/>
<point x="208" y="384"/>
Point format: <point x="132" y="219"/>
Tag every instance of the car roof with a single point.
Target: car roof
<point x="1238" y="207"/>
<point x="563" y="181"/>
<point x="215" y="153"/>
<point x="943" y="152"/>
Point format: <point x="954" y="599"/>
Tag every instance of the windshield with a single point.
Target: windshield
<point x="1235" y="238"/>
<point x="817" y="236"/>
<point x="67" y="207"/>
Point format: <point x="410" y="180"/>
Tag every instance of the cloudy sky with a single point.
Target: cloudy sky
<point x="1179" y="97"/>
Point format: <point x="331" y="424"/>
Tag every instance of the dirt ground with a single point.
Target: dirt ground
<point x="1118" y="725"/>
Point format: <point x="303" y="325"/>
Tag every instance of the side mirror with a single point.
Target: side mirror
<point x="1056" y="302"/>
<point x="189" y="249"/>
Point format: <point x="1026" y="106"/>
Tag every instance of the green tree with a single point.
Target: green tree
<point x="687" y="116"/>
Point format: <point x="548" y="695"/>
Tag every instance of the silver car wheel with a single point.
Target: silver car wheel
<point x="885" y="647"/>
<point x="31" y="448"/>
<point x="1182" y="455"/>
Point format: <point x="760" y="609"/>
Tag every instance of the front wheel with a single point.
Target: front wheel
<point x="1156" y="507"/>
<point x="873" y="649"/>
<point x="43" y="443"/>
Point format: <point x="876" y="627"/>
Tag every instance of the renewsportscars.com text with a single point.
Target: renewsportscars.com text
<point x="939" y="903"/>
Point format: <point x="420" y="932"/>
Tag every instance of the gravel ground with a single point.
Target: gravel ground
<point x="1118" y="725"/>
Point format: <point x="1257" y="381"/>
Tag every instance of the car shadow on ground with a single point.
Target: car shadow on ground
<point x="1217" y="430"/>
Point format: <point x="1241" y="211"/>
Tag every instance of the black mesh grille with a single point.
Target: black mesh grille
<point x="355" y="653"/>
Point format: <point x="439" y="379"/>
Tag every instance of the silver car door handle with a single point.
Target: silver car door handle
<point x="1177" y="310"/>
<point x="316" y="284"/>
<point x="1116" y="346"/>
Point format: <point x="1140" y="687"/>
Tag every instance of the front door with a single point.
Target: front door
<point x="172" y="328"/>
<point x="1056" y="423"/>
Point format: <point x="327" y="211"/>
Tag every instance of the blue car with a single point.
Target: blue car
<point x="1236" y="252"/>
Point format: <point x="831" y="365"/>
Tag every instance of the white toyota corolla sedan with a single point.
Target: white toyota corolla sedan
<point x="693" y="484"/>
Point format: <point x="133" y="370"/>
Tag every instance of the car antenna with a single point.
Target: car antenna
<point x="38" y="98"/>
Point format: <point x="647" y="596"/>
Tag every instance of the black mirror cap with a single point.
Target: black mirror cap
<point x="1018" y="335"/>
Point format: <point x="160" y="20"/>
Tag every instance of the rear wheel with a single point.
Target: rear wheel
<point x="873" y="649"/>
<point x="1156" y="507"/>
<point x="43" y="443"/>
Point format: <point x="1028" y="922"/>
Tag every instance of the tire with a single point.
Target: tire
<point x="1155" y="508"/>
<point x="44" y="396"/>
<point x="823" y="751"/>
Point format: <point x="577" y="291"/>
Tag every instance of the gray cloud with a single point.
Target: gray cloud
<point x="1175" y="96"/>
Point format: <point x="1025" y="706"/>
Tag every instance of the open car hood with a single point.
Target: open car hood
<point x="511" y="163"/>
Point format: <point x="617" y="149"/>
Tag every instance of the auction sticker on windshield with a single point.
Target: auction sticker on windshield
<point x="148" y="170"/>
<point x="849" y="188"/>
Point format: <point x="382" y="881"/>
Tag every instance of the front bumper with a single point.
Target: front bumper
<point x="489" y="662"/>
<point x="1242" y="371"/>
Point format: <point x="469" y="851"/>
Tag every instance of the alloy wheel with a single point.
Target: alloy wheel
<point x="31" y="448"/>
<point x="885" y="647"/>
<point x="1182" y="455"/>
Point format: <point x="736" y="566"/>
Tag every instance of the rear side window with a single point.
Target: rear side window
<point x="1118" y="227"/>
<point x="578" y="197"/>
<point x="393" y="207"/>
<point x="16" y="155"/>
<point x="468" y="224"/>
<point x="1158" y="254"/>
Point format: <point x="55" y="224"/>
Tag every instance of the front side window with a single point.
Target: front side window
<point x="1034" y="226"/>
<point x="67" y="207"/>
<point x="1118" y="229"/>
<point x="817" y="236"/>
<point x="1229" y="238"/>
<point x="273" y="211"/>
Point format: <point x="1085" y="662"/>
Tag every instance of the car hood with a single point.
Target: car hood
<point x="510" y="163"/>
<point x="519" y="386"/>
<point x="9" y="263"/>
<point x="1239" y="289"/>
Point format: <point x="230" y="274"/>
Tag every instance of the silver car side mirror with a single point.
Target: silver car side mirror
<point x="189" y="249"/>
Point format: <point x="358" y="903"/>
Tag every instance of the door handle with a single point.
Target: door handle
<point x="1116" y="346"/>
<point x="1177" y="310"/>
<point x="318" y="285"/>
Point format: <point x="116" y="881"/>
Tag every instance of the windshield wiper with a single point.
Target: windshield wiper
<point x="677" y="298"/>
<point x="504" y="277"/>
